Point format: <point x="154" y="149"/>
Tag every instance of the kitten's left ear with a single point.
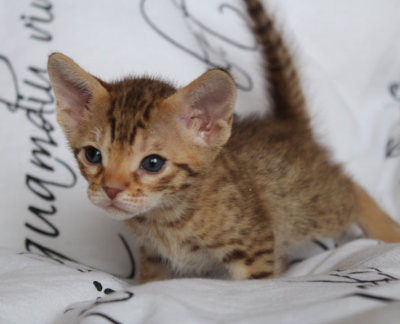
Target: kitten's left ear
<point x="75" y="91"/>
<point x="205" y="108"/>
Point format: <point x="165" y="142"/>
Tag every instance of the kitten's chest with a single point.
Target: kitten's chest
<point x="180" y="249"/>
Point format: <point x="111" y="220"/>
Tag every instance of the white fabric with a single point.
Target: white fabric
<point x="349" y="56"/>
<point x="356" y="283"/>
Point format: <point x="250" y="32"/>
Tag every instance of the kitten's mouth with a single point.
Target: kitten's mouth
<point x="118" y="213"/>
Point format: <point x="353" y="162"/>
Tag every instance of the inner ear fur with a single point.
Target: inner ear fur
<point x="76" y="91"/>
<point x="205" y="108"/>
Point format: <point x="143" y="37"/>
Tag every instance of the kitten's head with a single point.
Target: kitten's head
<point x="139" y="142"/>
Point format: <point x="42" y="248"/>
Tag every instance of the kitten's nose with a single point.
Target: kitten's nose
<point x="112" y="192"/>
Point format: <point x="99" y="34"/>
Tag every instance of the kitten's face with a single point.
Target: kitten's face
<point x="140" y="143"/>
<point x="130" y="175"/>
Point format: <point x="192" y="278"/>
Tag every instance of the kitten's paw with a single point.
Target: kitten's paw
<point x="257" y="270"/>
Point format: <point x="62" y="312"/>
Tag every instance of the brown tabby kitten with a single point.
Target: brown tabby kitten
<point x="203" y="192"/>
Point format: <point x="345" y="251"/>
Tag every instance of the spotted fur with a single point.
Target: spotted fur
<point x="232" y="196"/>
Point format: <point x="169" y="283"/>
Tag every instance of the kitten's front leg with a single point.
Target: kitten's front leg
<point x="152" y="266"/>
<point x="260" y="264"/>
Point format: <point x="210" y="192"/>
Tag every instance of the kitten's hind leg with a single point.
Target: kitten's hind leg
<point x="373" y="220"/>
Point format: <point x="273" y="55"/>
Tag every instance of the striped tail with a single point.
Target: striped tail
<point x="284" y="86"/>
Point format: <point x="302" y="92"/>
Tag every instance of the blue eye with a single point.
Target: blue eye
<point x="152" y="163"/>
<point x="92" y="154"/>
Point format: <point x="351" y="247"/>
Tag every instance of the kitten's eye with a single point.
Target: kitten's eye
<point x="93" y="155"/>
<point x="152" y="163"/>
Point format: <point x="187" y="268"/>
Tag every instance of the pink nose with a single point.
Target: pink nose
<point x="112" y="192"/>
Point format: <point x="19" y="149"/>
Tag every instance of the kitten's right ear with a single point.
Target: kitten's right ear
<point x="75" y="91"/>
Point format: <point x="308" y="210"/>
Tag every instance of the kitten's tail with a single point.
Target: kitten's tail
<point x="284" y="87"/>
<point x="374" y="221"/>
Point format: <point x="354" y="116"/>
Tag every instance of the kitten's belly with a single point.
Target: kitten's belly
<point x="186" y="262"/>
<point x="184" y="258"/>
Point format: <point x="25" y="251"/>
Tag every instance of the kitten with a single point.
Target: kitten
<point x="200" y="191"/>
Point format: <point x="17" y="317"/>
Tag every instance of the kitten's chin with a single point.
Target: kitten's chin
<point x="119" y="214"/>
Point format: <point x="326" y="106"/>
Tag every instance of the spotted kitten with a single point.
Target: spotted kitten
<point x="201" y="191"/>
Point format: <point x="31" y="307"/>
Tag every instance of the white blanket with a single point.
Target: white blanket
<point x="349" y="57"/>
<point x="356" y="283"/>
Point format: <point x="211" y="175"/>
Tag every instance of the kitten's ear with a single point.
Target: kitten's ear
<point x="75" y="90"/>
<point x="205" y="108"/>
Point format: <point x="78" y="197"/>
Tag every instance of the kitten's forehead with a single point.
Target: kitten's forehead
<point x="132" y="101"/>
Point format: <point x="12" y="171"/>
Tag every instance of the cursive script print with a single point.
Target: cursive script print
<point x="43" y="253"/>
<point x="37" y="108"/>
<point x="37" y="21"/>
<point x="111" y="298"/>
<point x="393" y="144"/>
<point x="374" y="297"/>
<point x="363" y="279"/>
<point x="211" y="44"/>
<point x="394" y="90"/>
